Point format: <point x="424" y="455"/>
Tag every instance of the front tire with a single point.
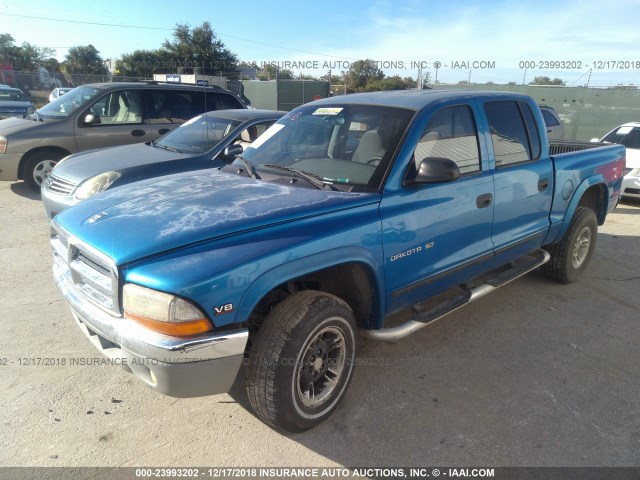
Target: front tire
<point x="38" y="167"/>
<point x="302" y="360"/>
<point x="570" y="257"/>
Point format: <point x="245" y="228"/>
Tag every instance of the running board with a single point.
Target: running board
<point x="500" y="277"/>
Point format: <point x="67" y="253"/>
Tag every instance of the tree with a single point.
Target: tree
<point x="198" y="48"/>
<point x="546" y="81"/>
<point x="9" y="53"/>
<point x="143" y="63"/>
<point x="391" y="83"/>
<point x="30" y="56"/>
<point x="362" y="72"/>
<point x="84" y="59"/>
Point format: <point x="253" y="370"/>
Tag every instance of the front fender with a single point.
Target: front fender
<point x="320" y="261"/>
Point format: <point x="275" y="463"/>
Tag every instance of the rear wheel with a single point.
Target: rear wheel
<point x="38" y="168"/>
<point x="302" y="361"/>
<point x="570" y="257"/>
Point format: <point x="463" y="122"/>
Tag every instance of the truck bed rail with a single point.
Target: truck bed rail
<point x="557" y="147"/>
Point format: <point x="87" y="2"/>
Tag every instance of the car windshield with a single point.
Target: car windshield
<point x="62" y="106"/>
<point x="12" y="95"/>
<point x="198" y="135"/>
<point x="346" y="146"/>
<point x="627" y="136"/>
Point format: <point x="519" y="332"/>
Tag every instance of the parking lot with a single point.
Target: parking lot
<point x="537" y="374"/>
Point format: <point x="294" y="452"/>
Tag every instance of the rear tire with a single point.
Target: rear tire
<point x="302" y="360"/>
<point x="38" y="167"/>
<point x="570" y="257"/>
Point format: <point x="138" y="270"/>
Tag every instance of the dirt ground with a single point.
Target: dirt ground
<point x="537" y="374"/>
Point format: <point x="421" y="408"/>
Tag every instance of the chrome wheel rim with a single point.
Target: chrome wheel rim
<point x="581" y="247"/>
<point x="321" y="366"/>
<point x="42" y="170"/>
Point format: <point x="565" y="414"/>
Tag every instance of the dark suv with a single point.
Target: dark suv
<point x="100" y="115"/>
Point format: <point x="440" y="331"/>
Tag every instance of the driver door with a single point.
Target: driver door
<point x="438" y="235"/>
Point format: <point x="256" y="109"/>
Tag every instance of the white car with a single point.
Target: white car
<point x="629" y="136"/>
<point x="58" y="92"/>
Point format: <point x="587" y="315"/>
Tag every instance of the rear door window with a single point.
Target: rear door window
<point x="508" y="133"/>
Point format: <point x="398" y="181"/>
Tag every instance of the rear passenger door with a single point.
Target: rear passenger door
<point x="438" y="235"/>
<point x="523" y="179"/>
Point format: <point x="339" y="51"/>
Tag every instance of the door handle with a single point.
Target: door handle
<point x="137" y="133"/>
<point x="543" y="184"/>
<point x="162" y="131"/>
<point x="484" y="200"/>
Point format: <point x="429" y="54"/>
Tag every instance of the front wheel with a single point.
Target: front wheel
<point x="570" y="257"/>
<point x="302" y="361"/>
<point x="38" y="168"/>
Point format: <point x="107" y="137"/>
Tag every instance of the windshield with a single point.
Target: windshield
<point x="627" y="136"/>
<point x="12" y="95"/>
<point x="62" y="106"/>
<point x="198" y="135"/>
<point x="347" y="146"/>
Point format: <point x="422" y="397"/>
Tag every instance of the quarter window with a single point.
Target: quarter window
<point x="451" y="133"/>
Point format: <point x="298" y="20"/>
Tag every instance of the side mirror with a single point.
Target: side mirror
<point x="91" y="119"/>
<point x="233" y="151"/>
<point x="436" y="170"/>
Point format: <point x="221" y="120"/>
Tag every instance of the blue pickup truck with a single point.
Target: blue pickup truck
<point x="345" y="211"/>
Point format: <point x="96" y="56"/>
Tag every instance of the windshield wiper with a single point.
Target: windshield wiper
<point x="249" y="168"/>
<point x="314" y="180"/>
<point x="166" y="147"/>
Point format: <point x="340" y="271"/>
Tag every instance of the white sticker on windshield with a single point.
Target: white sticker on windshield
<point x="327" y="111"/>
<point x="271" y="131"/>
<point x="624" y="130"/>
<point x="193" y="120"/>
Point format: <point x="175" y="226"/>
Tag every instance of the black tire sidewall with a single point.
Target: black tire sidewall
<point x="588" y="219"/>
<point x="323" y="311"/>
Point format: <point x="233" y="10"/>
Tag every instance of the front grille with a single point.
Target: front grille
<point x="92" y="273"/>
<point x="633" y="191"/>
<point x="59" y="185"/>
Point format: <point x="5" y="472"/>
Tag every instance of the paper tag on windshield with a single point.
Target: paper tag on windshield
<point x="624" y="130"/>
<point x="327" y="111"/>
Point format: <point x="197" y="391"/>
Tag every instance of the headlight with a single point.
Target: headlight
<point x="636" y="172"/>
<point x="3" y="144"/>
<point x="96" y="184"/>
<point x="162" y="312"/>
<point x="30" y="110"/>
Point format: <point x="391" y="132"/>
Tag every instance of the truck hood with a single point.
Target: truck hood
<point x="154" y="216"/>
<point x="80" y="166"/>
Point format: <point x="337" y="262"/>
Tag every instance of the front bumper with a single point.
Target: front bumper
<point x="630" y="186"/>
<point x="206" y="364"/>
<point x="9" y="163"/>
<point x="54" y="203"/>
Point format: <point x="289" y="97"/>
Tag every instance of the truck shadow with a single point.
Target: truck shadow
<point x="507" y="380"/>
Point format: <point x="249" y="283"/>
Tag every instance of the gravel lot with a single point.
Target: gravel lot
<point x="536" y="374"/>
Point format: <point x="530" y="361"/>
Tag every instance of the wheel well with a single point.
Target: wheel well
<point x="25" y="158"/>
<point x="595" y="198"/>
<point x="351" y="282"/>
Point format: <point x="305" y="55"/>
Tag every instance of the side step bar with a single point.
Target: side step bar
<point x="500" y="277"/>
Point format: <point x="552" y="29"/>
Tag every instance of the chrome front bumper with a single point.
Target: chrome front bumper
<point x="180" y="367"/>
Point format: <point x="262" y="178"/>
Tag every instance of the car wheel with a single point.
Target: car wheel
<point x="570" y="257"/>
<point x="302" y="361"/>
<point x="38" y="168"/>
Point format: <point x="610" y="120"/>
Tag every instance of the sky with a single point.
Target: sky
<point x="582" y="42"/>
